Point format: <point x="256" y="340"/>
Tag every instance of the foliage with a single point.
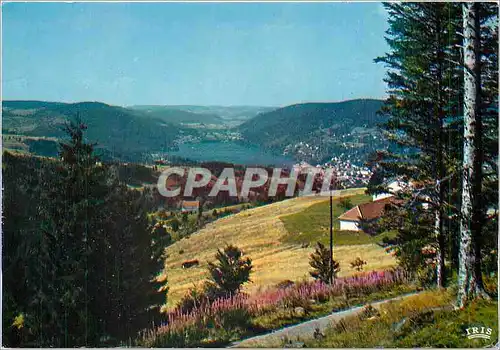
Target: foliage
<point x="316" y="123"/>
<point x="175" y="224"/>
<point x="126" y="135"/>
<point x="384" y="328"/>
<point x="80" y="257"/>
<point x="229" y="273"/>
<point x="346" y="203"/>
<point x="420" y="321"/>
<point x="227" y="318"/>
<point x="425" y="128"/>
<point x="426" y="275"/>
<point x="194" y="299"/>
<point x="368" y="312"/>
<point x="321" y="262"/>
<point x="447" y="328"/>
<point x="422" y="110"/>
<point x="371" y="227"/>
<point x="221" y="319"/>
<point x="414" y="234"/>
<point x="358" y="264"/>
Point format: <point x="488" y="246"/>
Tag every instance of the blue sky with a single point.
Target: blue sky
<point x="193" y="53"/>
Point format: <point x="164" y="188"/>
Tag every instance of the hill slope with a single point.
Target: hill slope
<point x="228" y="115"/>
<point x="172" y="115"/>
<point x="121" y="133"/>
<point x="318" y="131"/>
<point x="262" y="236"/>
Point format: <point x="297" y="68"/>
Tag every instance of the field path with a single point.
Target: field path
<point x="306" y="329"/>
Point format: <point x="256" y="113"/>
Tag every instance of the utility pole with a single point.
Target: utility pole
<point x="331" y="234"/>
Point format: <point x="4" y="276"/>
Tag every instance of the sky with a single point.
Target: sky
<point x="266" y="54"/>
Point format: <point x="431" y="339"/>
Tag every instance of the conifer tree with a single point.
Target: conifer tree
<point x="422" y="108"/>
<point x="321" y="262"/>
<point x="229" y="272"/>
<point x="82" y="260"/>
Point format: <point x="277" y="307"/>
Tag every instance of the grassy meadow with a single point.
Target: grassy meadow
<point x="263" y="235"/>
<point x="313" y="224"/>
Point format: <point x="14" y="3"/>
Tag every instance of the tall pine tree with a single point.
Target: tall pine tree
<point x="422" y="111"/>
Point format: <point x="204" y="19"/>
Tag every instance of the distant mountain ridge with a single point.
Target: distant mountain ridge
<point x="173" y="115"/>
<point x="120" y="132"/>
<point x="318" y="131"/>
<point x="230" y="115"/>
<point x="313" y="132"/>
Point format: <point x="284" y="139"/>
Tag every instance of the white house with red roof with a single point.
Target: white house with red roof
<point x="350" y="220"/>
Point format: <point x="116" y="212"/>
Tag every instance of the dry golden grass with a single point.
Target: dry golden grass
<point x="257" y="232"/>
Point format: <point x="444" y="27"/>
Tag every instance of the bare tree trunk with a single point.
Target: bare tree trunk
<point x="440" y="255"/>
<point x="440" y="169"/>
<point x="469" y="272"/>
<point x="479" y="212"/>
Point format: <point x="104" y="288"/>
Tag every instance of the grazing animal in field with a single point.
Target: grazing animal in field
<point x="190" y="263"/>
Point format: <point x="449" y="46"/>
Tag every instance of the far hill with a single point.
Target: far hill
<point x="120" y="133"/>
<point x="172" y="115"/>
<point x="230" y="115"/>
<point x="318" y="131"/>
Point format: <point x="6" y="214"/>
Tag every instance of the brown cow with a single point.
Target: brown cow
<point x="190" y="263"/>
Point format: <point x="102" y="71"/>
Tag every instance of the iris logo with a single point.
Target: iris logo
<point x="478" y="332"/>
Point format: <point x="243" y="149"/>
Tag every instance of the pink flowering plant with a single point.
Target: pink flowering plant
<point x="225" y="319"/>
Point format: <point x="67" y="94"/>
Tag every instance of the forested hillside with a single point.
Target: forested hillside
<point x="78" y="251"/>
<point x="121" y="133"/>
<point x="318" y="131"/>
<point x="173" y="115"/>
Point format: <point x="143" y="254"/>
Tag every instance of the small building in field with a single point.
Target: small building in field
<point x="393" y="187"/>
<point x="190" y="206"/>
<point x="350" y="220"/>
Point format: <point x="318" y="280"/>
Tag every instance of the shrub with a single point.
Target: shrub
<point x="358" y="264"/>
<point x="214" y="213"/>
<point x="320" y="261"/>
<point x="220" y="320"/>
<point x="368" y="312"/>
<point x="294" y="300"/>
<point x="389" y="241"/>
<point x="237" y="318"/>
<point x="224" y="318"/>
<point x="426" y="275"/>
<point x="194" y="299"/>
<point x="346" y="203"/>
<point x="175" y="224"/>
<point x="371" y="227"/>
<point x="163" y="214"/>
<point x="229" y="273"/>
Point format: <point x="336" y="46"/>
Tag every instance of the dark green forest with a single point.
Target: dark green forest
<point x="79" y="256"/>
<point x="347" y="128"/>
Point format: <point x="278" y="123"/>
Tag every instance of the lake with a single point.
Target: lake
<point x="230" y="152"/>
